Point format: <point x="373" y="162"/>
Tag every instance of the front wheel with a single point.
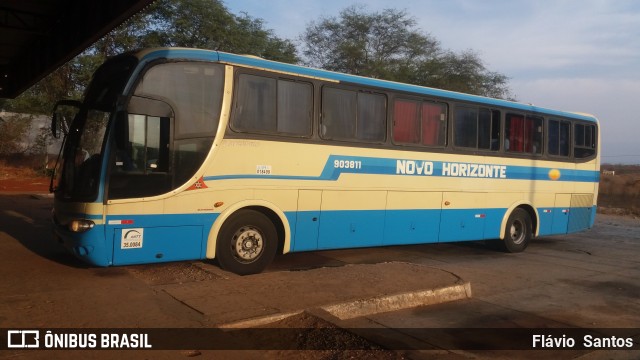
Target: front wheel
<point x="518" y="231"/>
<point x="247" y="243"/>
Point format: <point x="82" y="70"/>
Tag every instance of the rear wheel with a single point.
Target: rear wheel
<point x="247" y="243"/>
<point x="518" y="231"/>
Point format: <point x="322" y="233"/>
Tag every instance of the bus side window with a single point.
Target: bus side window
<point x="434" y="124"/>
<point x="370" y="123"/>
<point x="295" y="108"/>
<point x="141" y="163"/>
<point x="256" y="104"/>
<point x="523" y="134"/>
<point x="466" y="127"/>
<point x="406" y="124"/>
<point x="353" y="115"/>
<point x="338" y="114"/>
<point x="585" y="137"/>
<point x="558" y="137"/>
<point x="477" y="128"/>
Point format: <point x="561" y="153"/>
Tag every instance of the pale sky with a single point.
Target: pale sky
<point x="572" y="55"/>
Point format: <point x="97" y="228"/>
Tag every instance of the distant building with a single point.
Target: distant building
<point x="608" y="172"/>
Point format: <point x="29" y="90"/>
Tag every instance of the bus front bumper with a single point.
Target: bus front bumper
<point x="89" y="246"/>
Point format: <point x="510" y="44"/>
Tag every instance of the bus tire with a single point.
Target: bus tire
<point x="247" y="243"/>
<point x="518" y="231"/>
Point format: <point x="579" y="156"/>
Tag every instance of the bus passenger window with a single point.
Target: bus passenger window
<point x="370" y="123"/>
<point x="349" y="115"/>
<point x="419" y="122"/>
<point x="489" y="130"/>
<point x="295" y="107"/>
<point x="338" y="114"/>
<point x="558" y="138"/>
<point x="434" y="124"/>
<point x="523" y="134"/>
<point x="255" y="108"/>
<point x="585" y="137"/>
<point x="406" y="127"/>
<point x="477" y="128"/>
<point x="466" y="127"/>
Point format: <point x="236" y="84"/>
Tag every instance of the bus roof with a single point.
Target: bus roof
<point x="256" y="62"/>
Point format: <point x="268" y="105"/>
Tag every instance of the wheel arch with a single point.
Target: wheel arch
<point x="276" y="215"/>
<point x="533" y="213"/>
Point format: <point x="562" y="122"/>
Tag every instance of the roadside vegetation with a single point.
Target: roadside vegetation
<point x="619" y="192"/>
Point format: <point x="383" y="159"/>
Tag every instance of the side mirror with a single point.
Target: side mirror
<point x="63" y="113"/>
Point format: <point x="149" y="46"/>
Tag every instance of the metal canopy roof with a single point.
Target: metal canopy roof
<point x="38" y="36"/>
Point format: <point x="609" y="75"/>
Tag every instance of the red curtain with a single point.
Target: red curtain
<point x="405" y="122"/>
<point x="528" y="135"/>
<point x="516" y="133"/>
<point x="431" y="123"/>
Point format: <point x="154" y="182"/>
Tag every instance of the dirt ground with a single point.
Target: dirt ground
<point x="38" y="184"/>
<point x="21" y="179"/>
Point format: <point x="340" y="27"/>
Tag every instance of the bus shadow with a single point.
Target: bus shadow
<point x="26" y="219"/>
<point x="304" y="261"/>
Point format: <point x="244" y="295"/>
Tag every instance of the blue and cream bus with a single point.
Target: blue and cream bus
<point x="181" y="154"/>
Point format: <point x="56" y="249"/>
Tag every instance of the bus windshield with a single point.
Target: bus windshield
<point x="84" y="146"/>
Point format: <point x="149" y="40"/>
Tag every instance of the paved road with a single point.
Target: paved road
<point x="586" y="280"/>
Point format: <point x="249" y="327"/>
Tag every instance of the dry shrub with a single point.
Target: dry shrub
<point x="628" y="185"/>
<point x="18" y="167"/>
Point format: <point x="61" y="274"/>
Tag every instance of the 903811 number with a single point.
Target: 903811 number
<point x="347" y="164"/>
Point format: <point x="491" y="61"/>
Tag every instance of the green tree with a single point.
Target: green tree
<point x="388" y="45"/>
<point x="13" y="130"/>
<point x="39" y="99"/>
<point x="208" y="24"/>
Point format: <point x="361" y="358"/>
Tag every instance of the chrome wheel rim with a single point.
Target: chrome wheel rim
<point x="247" y="244"/>
<point x="516" y="231"/>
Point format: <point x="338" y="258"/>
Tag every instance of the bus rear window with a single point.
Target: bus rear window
<point x="585" y="140"/>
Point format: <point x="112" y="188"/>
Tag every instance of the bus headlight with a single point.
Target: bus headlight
<point x="80" y="225"/>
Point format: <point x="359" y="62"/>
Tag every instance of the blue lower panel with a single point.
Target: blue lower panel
<point x="493" y="223"/>
<point x="580" y="218"/>
<point x="305" y="235"/>
<point x="470" y="224"/>
<point x="557" y="221"/>
<point x="350" y="229"/>
<point x="546" y="221"/>
<point x="168" y="237"/>
<point x="353" y="228"/>
<point x="560" y="221"/>
<point x="411" y="227"/>
<point x="154" y="244"/>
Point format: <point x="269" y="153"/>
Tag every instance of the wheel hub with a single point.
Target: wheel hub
<point x="248" y="244"/>
<point x="516" y="232"/>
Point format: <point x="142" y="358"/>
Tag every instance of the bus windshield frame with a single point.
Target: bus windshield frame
<point x="84" y="147"/>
